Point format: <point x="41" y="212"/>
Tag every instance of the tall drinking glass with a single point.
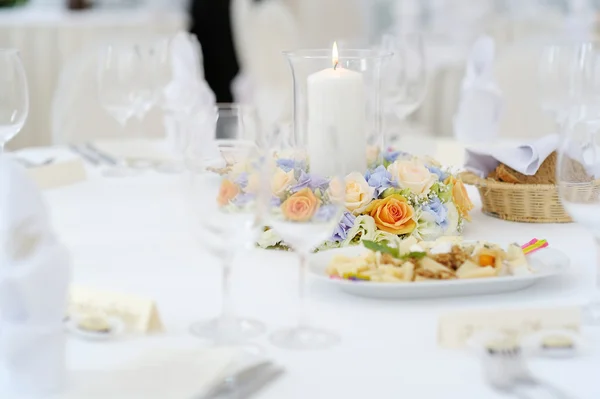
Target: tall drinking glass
<point x="578" y="177"/>
<point x="14" y="95"/>
<point x="224" y="191"/>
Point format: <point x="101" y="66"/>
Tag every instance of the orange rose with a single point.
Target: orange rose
<point x="301" y="206"/>
<point x="460" y="197"/>
<point x="227" y="192"/>
<point x="392" y="214"/>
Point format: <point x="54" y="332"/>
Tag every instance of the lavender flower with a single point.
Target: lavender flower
<point x="437" y="171"/>
<point x="325" y="213"/>
<point x="243" y="199"/>
<point x="242" y="180"/>
<point x="379" y="178"/>
<point x="311" y="181"/>
<point x="438" y="210"/>
<point x="391" y="156"/>
<point x="275" y="201"/>
<point x="286" y="164"/>
<point x="341" y="230"/>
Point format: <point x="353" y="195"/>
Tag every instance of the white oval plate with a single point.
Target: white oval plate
<point x="547" y="262"/>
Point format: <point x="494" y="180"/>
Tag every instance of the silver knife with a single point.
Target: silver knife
<point x="237" y="379"/>
<point x="249" y="389"/>
<point x="101" y="154"/>
<point x="83" y="154"/>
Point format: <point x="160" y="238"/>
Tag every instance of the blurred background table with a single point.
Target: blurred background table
<point x="49" y="37"/>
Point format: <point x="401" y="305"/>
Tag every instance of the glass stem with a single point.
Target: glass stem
<point x="2" y="143"/>
<point x="227" y="308"/>
<point x="302" y="307"/>
<point x="597" y="240"/>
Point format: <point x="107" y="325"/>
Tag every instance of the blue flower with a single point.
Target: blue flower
<point x="391" y="156"/>
<point x="437" y="171"/>
<point x="379" y="178"/>
<point x="275" y="201"/>
<point x="242" y="180"/>
<point x="243" y="199"/>
<point x="286" y="164"/>
<point x="311" y="181"/>
<point x="438" y="210"/>
<point x="325" y="213"/>
<point x="341" y="230"/>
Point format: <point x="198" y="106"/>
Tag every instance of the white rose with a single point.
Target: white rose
<point x="427" y="228"/>
<point x="268" y="239"/>
<point x="412" y="175"/>
<point x="282" y="181"/>
<point x="358" y="192"/>
<point x="392" y="239"/>
<point x="453" y="217"/>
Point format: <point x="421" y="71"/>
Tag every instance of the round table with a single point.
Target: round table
<point x="132" y="235"/>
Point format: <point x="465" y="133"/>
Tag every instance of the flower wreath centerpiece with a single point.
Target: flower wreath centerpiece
<point x="406" y="196"/>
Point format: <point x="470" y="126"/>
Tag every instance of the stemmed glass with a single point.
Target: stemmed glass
<point x="14" y="96"/>
<point x="578" y="177"/>
<point x="120" y="81"/>
<point x="303" y="206"/>
<point x="224" y="191"/>
<point x="404" y="77"/>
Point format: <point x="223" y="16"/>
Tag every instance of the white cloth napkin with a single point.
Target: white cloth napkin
<point x="525" y="158"/>
<point x="34" y="280"/>
<point x="478" y="116"/>
<point x="191" y="102"/>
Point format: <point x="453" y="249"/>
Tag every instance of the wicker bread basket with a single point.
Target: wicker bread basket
<point x="533" y="203"/>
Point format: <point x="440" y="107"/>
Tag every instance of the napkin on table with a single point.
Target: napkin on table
<point x="34" y="278"/>
<point x="525" y="158"/>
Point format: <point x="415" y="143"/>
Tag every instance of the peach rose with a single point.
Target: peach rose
<point x="460" y="197"/>
<point x="282" y="181"/>
<point x="392" y="214"/>
<point x="227" y="192"/>
<point x="412" y="175"/>
<point x="301" y="206"/>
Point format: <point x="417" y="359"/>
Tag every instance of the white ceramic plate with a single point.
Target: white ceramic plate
<point x="547" y="262"/>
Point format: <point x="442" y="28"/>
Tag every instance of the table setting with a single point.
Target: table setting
<point x="330" y="255"/>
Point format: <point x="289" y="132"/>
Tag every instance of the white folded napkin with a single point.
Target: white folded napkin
<point x="34" y="279"/>
<point x="525" y="158"/>
<point x="191" y="102"/>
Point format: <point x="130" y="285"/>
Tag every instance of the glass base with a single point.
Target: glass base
<point x="170" y="167"/>
<point x="119" y="171"/>
<point x="304" y="338"/>
<point x="591" y="313"/>
<point x="224" y="332"/>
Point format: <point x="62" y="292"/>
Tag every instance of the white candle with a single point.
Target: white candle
<point x="336" y="99"/>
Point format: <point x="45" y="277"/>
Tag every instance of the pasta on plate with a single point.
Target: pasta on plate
<point x="447" y="258"/>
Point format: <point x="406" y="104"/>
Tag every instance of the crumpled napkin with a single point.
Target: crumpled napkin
<point x="525" y="158"/>
<point x="34" y="280"/>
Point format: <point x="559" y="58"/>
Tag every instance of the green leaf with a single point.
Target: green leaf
<point x="415" y="255"/>
<point x="381" y="247"/>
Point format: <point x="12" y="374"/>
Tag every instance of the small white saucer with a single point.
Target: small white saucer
<point x="116" y="328"/>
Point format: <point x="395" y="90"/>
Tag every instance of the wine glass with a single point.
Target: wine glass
<point x="303" y="205"/>
<point x="404" y="77"/>
<point x="578" y="177"/>
<point x="14" y="95"/>
<point x="224" y="190"/>
<point x="120" y="81"/>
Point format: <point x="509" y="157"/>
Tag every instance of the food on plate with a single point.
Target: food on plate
<point x="95" y="324"/>
<point x="447" y="258"/>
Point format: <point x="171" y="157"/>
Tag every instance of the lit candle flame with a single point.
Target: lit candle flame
<point x="334" y="56"/>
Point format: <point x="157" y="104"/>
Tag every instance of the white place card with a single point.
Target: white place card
<point x="455" y="329"/>
<point x="139" y="314"/>
<point x="59" y="174"/>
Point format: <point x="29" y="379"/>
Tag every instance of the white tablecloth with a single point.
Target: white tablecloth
<point x="131" y="235"/>
<point x="49" y="38"/>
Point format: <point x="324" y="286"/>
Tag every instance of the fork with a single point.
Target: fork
<point x="515" y="370"/>
<point x="498" y="375"/>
